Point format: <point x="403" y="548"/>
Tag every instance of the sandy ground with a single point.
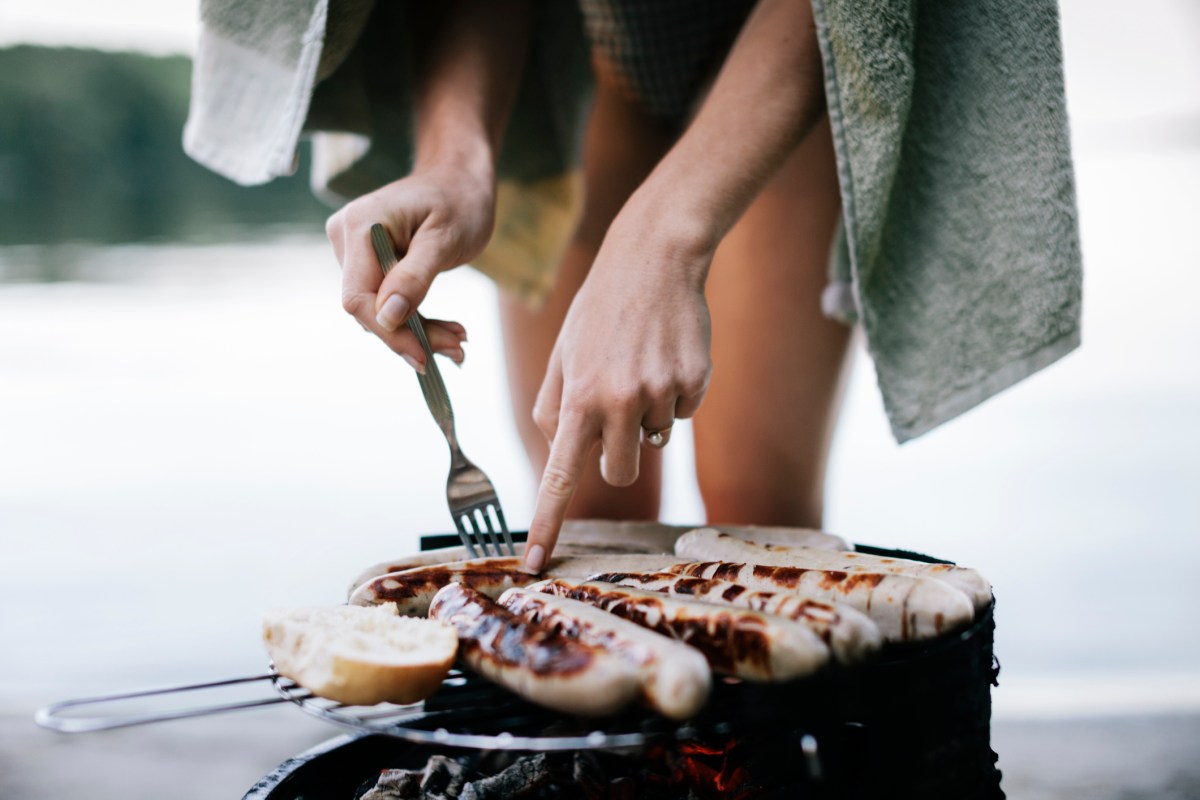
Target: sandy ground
<point x="1123" y="758"/>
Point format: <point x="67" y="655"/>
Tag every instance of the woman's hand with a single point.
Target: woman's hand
<point x="438" y="218"/>
<point x="633" y="354"/>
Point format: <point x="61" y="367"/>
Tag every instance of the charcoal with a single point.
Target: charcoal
<point x="588" y="776"/>
<point x="444" y="778"/>
<point x="522" y="779"/>
<point x="397" y="784"/>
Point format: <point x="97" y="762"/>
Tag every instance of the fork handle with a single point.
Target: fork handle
<point x="434" y="389"/>
<point x="432" y="386"/>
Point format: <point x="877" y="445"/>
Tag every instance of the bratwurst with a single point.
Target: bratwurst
<point x="707" y="544"/>
<point x="535" y="661"/>
<point x="413" y="589"/>
<point x="741" y="642"/>
<point x="850" y="635"/>
<point x="675" y="677"/>
<point x="903" y="607"/>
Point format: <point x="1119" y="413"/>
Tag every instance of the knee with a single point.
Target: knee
<point x="734" y="500"/>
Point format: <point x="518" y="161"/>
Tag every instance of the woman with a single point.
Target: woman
<point x="624" y="346"/>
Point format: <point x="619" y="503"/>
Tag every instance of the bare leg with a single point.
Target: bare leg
<point x="763" y="433"/>
<point x="622" y="146"/>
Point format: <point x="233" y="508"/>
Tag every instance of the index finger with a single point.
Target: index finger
<point x="569" y="451"/>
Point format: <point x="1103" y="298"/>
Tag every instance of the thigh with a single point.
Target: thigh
<point x="764" y="430"/>
<point x="622" y="145"/>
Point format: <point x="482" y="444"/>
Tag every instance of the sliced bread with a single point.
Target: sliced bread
<point x="360" y="655"/>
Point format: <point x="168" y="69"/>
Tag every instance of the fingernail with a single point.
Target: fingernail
<point x="535" y="558"/>
<point x="394" y="310"/>
<point x="412" y="362"/>
<point x="455" y="354"/>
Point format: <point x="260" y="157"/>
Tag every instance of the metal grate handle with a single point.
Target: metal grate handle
<point x="57" y="716"/>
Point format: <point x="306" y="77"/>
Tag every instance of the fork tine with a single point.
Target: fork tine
<point x="512" y="550"/>
<point x="482" y="511"/>
<point x="476" y="532"/>
<point x="478" y="527"/>
<point x="465" y="535"/>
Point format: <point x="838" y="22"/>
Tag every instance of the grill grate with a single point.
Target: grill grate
<point x="469" y="711"/>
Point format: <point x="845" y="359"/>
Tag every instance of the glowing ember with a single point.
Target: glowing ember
<point x="715" y="770"/>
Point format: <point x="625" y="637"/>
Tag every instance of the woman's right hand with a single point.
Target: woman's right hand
<point x="438" y="218"/>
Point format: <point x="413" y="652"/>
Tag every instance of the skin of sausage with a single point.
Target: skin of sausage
<point x="741" y="642"/>
<point x="904" y="608"/>
<point x="675" y="678"/>
<point x="850" y="635"/>
<point x="413" y="589"/>
<point x="535" y="661"/>
<point x="707" y="544"/>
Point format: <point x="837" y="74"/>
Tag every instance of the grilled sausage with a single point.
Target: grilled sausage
<point x="413" y="589"/>
<point x="675" y="677"/>
<point x="707" y="544"/>
<point x="535" y="661"/>
<point x="426" y="558"/>
<point x="850" y="635"/>
<point x="447" y="555"/>
<point x="741" y="642"/>
<point x="655" y="537"/>
<point x="905" y="608"/>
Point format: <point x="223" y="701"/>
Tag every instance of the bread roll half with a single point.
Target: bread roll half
<point x="359" y="655"/>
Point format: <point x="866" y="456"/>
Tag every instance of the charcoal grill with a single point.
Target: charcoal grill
<point x="915" y="719"/>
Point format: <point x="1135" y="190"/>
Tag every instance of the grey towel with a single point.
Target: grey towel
<point x="961" y="242"/>
<point x="960" y="253"/>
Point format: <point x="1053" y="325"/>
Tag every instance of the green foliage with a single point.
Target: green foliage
<point x="90" y="152"/>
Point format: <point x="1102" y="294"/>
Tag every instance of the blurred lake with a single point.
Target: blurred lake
<point x="191" y="433"/>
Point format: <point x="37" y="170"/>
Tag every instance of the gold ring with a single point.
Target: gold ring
<point x="658" y="438"/>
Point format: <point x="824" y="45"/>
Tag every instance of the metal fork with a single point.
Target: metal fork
<point x="469" y="493"/>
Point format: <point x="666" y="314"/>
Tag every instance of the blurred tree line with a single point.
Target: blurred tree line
<point x="90" y="151"/>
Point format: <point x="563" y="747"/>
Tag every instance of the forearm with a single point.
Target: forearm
<point x="766" y="98"/>
<point x="469" y="56"/>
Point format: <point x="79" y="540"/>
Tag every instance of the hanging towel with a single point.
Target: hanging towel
<point x="961" y="246"/>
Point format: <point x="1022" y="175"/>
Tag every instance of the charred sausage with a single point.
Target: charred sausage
<point x="741" y="642"/>
<point x="535" y="661"/>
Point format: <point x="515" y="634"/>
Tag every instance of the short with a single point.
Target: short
<point x="664" y="51"/>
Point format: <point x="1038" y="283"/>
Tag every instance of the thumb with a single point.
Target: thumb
<point x="405" y="287"/>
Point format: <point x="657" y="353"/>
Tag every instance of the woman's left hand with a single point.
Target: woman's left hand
<point x="633" y="354"/>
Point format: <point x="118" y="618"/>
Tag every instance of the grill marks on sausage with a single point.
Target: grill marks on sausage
<point x="892" y="600"/>
<point x="783" y="577"/>
<point x="709" y="545"/>
<point x="488" y="630"/>
<point x="724" y="572"/>
<point x="427" y="580"/>
<point x="539" y="613"/>
<point x="822" y="616"/>
<point x="725" y="638"/>
<point x="867" y="579"/>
